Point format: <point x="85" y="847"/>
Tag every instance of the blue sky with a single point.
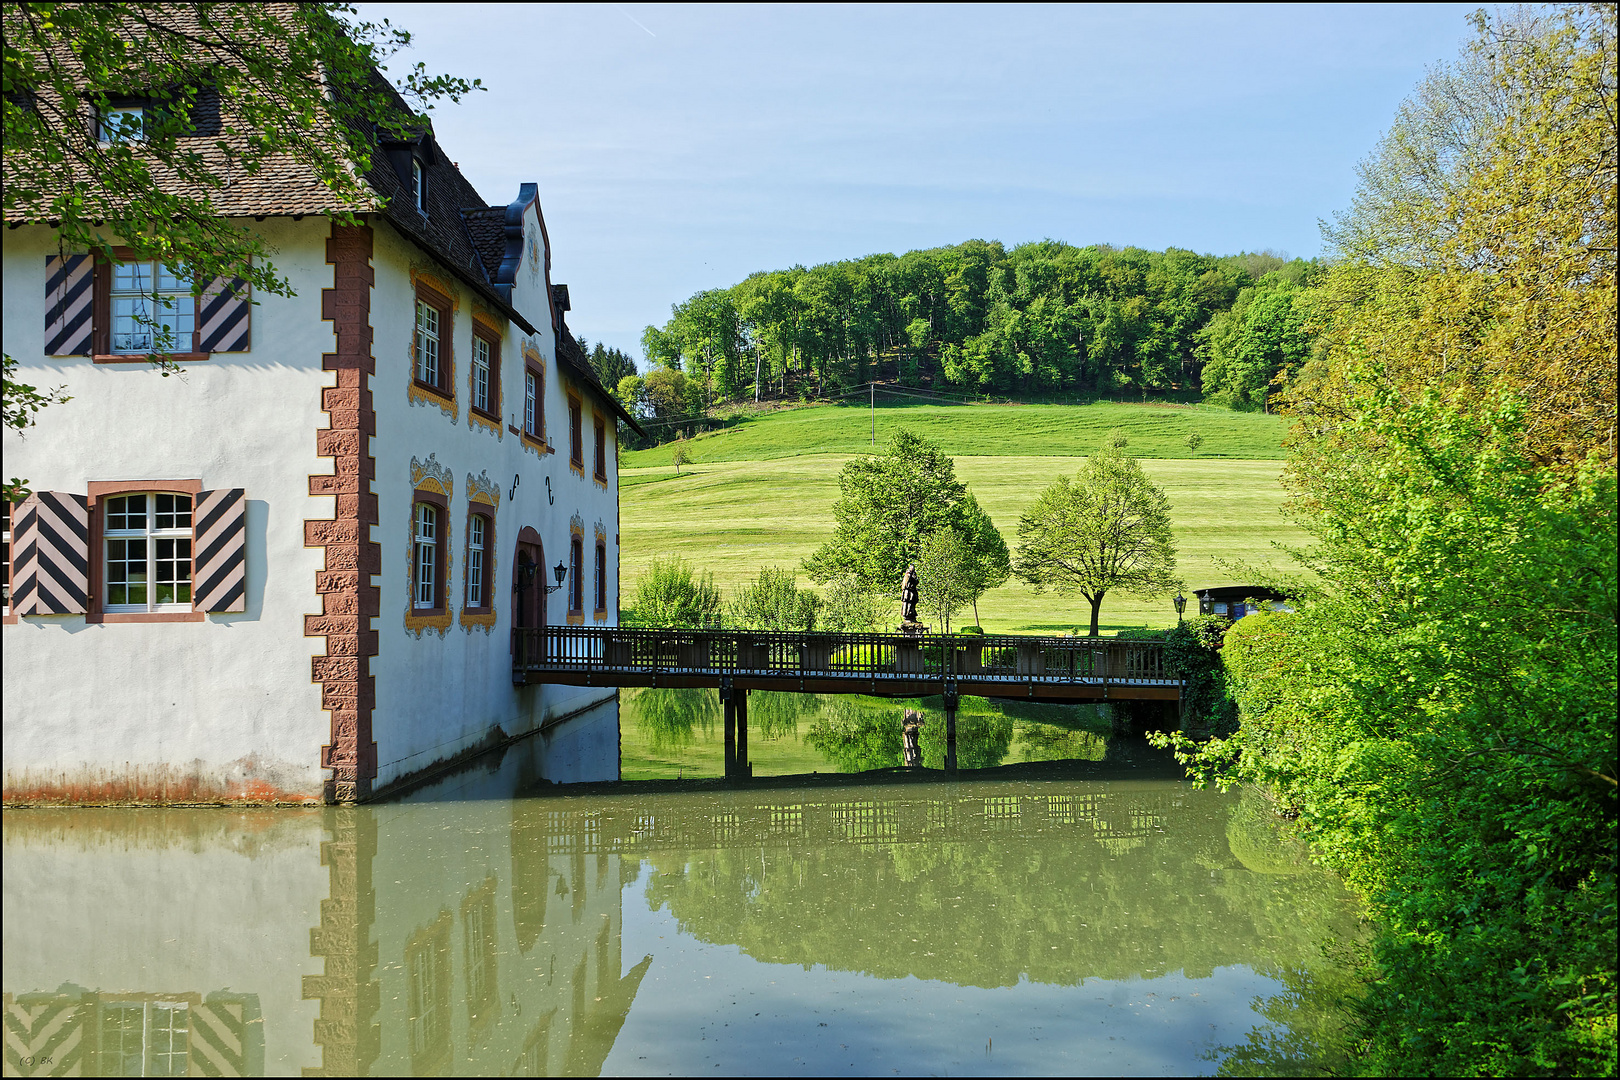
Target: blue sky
<point x="682" y="148"/>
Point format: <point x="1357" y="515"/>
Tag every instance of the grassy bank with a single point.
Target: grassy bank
<point x="732" y="517"/>
<point x="1157" y="431"/>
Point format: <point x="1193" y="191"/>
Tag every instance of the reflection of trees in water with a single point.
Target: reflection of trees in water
<point x="856" y="733"/>
<point x="1045" y="900"/>
<point x="1308" y="1031"/>
<point x="1049" y="742"/>
<point x="669" y="717"/>
<point x="775" y="715"/>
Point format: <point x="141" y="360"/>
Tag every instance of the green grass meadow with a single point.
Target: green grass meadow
<point x="1156" y="430"/>
<point x="731" y="514"/>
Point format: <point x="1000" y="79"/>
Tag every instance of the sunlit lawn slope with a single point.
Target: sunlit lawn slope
<point x="733" y="517"/>
<point x="1157" y="431"/>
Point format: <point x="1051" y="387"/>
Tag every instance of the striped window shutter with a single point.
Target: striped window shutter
<point x="220" y="544"/>
<point x="50" y="542"/>
<point x="68" y="296"/>
<point x="224" y="319"/>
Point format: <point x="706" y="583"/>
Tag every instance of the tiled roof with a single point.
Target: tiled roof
<point x="570" y="355"/>
<point x="287" y="187"/>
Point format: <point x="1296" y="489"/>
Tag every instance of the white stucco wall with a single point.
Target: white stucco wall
<point x="171" y="903"/>
<point x="443" y="691"/>
<point x="227" y="702"/>
<point x="226" y="707"/>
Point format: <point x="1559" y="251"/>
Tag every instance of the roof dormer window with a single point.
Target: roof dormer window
<point x="419" y="185"/>
<point x="123" y="123"/>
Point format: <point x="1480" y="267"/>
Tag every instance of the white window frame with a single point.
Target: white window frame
<point x="419" y="185"/>
<point x="480" y="374"/>
<point x="425" y="557"/>
<point x="153" y="537"/>
<point x="150" y="1052"/>
<point x="427" y="343"/>
<point x="477" y="529"/>
<point x="132" y="288"/>
<point x="121" y="124"/>
<point x="531" y="404"/>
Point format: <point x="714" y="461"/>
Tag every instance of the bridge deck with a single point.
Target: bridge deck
<point x="1052" y="669"/>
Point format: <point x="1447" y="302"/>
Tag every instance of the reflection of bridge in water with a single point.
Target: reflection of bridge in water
<point x="846" y="816"/>
<point x="1059" y="670"/>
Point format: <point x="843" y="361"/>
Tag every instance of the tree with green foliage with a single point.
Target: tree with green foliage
<point x="671" y="594"/>
<point x="1260" y="340"/>
<point x="612" y="366"/>
<point x="945" y="576"/>
<point x="990" y="564"/>
<point x="225" y="92"/>
<point x="1107" y="530"/>
<point x="679" y="455"/>
<point x="847" y="606"/>
<point x="888" y="504"/>
<point x="1440" y="714"/>
<point x="1044" y="317"/>
<point x="774" y="601"/>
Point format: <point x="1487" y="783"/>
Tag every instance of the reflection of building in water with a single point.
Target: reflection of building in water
<point x="471" y="958"/>
<point x="81" y="1033"/>
<point x="487" y="948"/>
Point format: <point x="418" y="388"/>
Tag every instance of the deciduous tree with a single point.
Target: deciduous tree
<point x="889" y="503"/>
<point x="1107" y="530"/>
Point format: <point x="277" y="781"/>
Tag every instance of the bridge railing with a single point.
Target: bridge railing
<point x="876" y="656"/>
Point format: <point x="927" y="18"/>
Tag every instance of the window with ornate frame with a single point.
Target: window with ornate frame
<point x="429" y="565"/>
<point x="480" y="558"/>
<point x="576" y="436"/>
<point x="534" y="400"/>
<point x="430" y="343"/>
<point x="601" y="577"/>
<point x="485" y="379"/>
<point x="601" y="446"/>
<point x="576" y="587"/>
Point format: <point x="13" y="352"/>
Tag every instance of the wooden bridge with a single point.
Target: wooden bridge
<point x="1061" y="670"/>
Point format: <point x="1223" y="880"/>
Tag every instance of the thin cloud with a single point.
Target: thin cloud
<point x="633" y="19"/>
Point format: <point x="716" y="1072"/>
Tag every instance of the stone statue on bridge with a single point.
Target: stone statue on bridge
<point x="908" y="603"/>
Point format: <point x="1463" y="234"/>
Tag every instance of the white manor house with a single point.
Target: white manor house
<point x="290" y="572"/>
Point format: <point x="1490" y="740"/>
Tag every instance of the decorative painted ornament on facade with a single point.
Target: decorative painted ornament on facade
<point x="481" y="488"/>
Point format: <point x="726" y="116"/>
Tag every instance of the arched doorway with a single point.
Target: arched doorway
<point x="528" y="582"/>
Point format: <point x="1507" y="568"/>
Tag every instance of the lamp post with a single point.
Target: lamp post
<point x="1181" y="605"/>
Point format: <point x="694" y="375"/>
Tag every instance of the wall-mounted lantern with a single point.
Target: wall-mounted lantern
<point x="561" y="572"/>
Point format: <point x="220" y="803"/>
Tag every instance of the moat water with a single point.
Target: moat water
<point x="1091" y="917"/>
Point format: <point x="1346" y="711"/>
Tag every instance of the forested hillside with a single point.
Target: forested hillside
<point x="1043" y="318"/>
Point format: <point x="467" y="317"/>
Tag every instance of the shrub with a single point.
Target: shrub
<point x="849" y="607"/>
<point x="672" y="594"/>
<point x="773" y="601"/>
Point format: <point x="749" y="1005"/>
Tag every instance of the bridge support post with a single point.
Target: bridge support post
<point x="729" y="706"/>
<point x="950" y="726"/>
